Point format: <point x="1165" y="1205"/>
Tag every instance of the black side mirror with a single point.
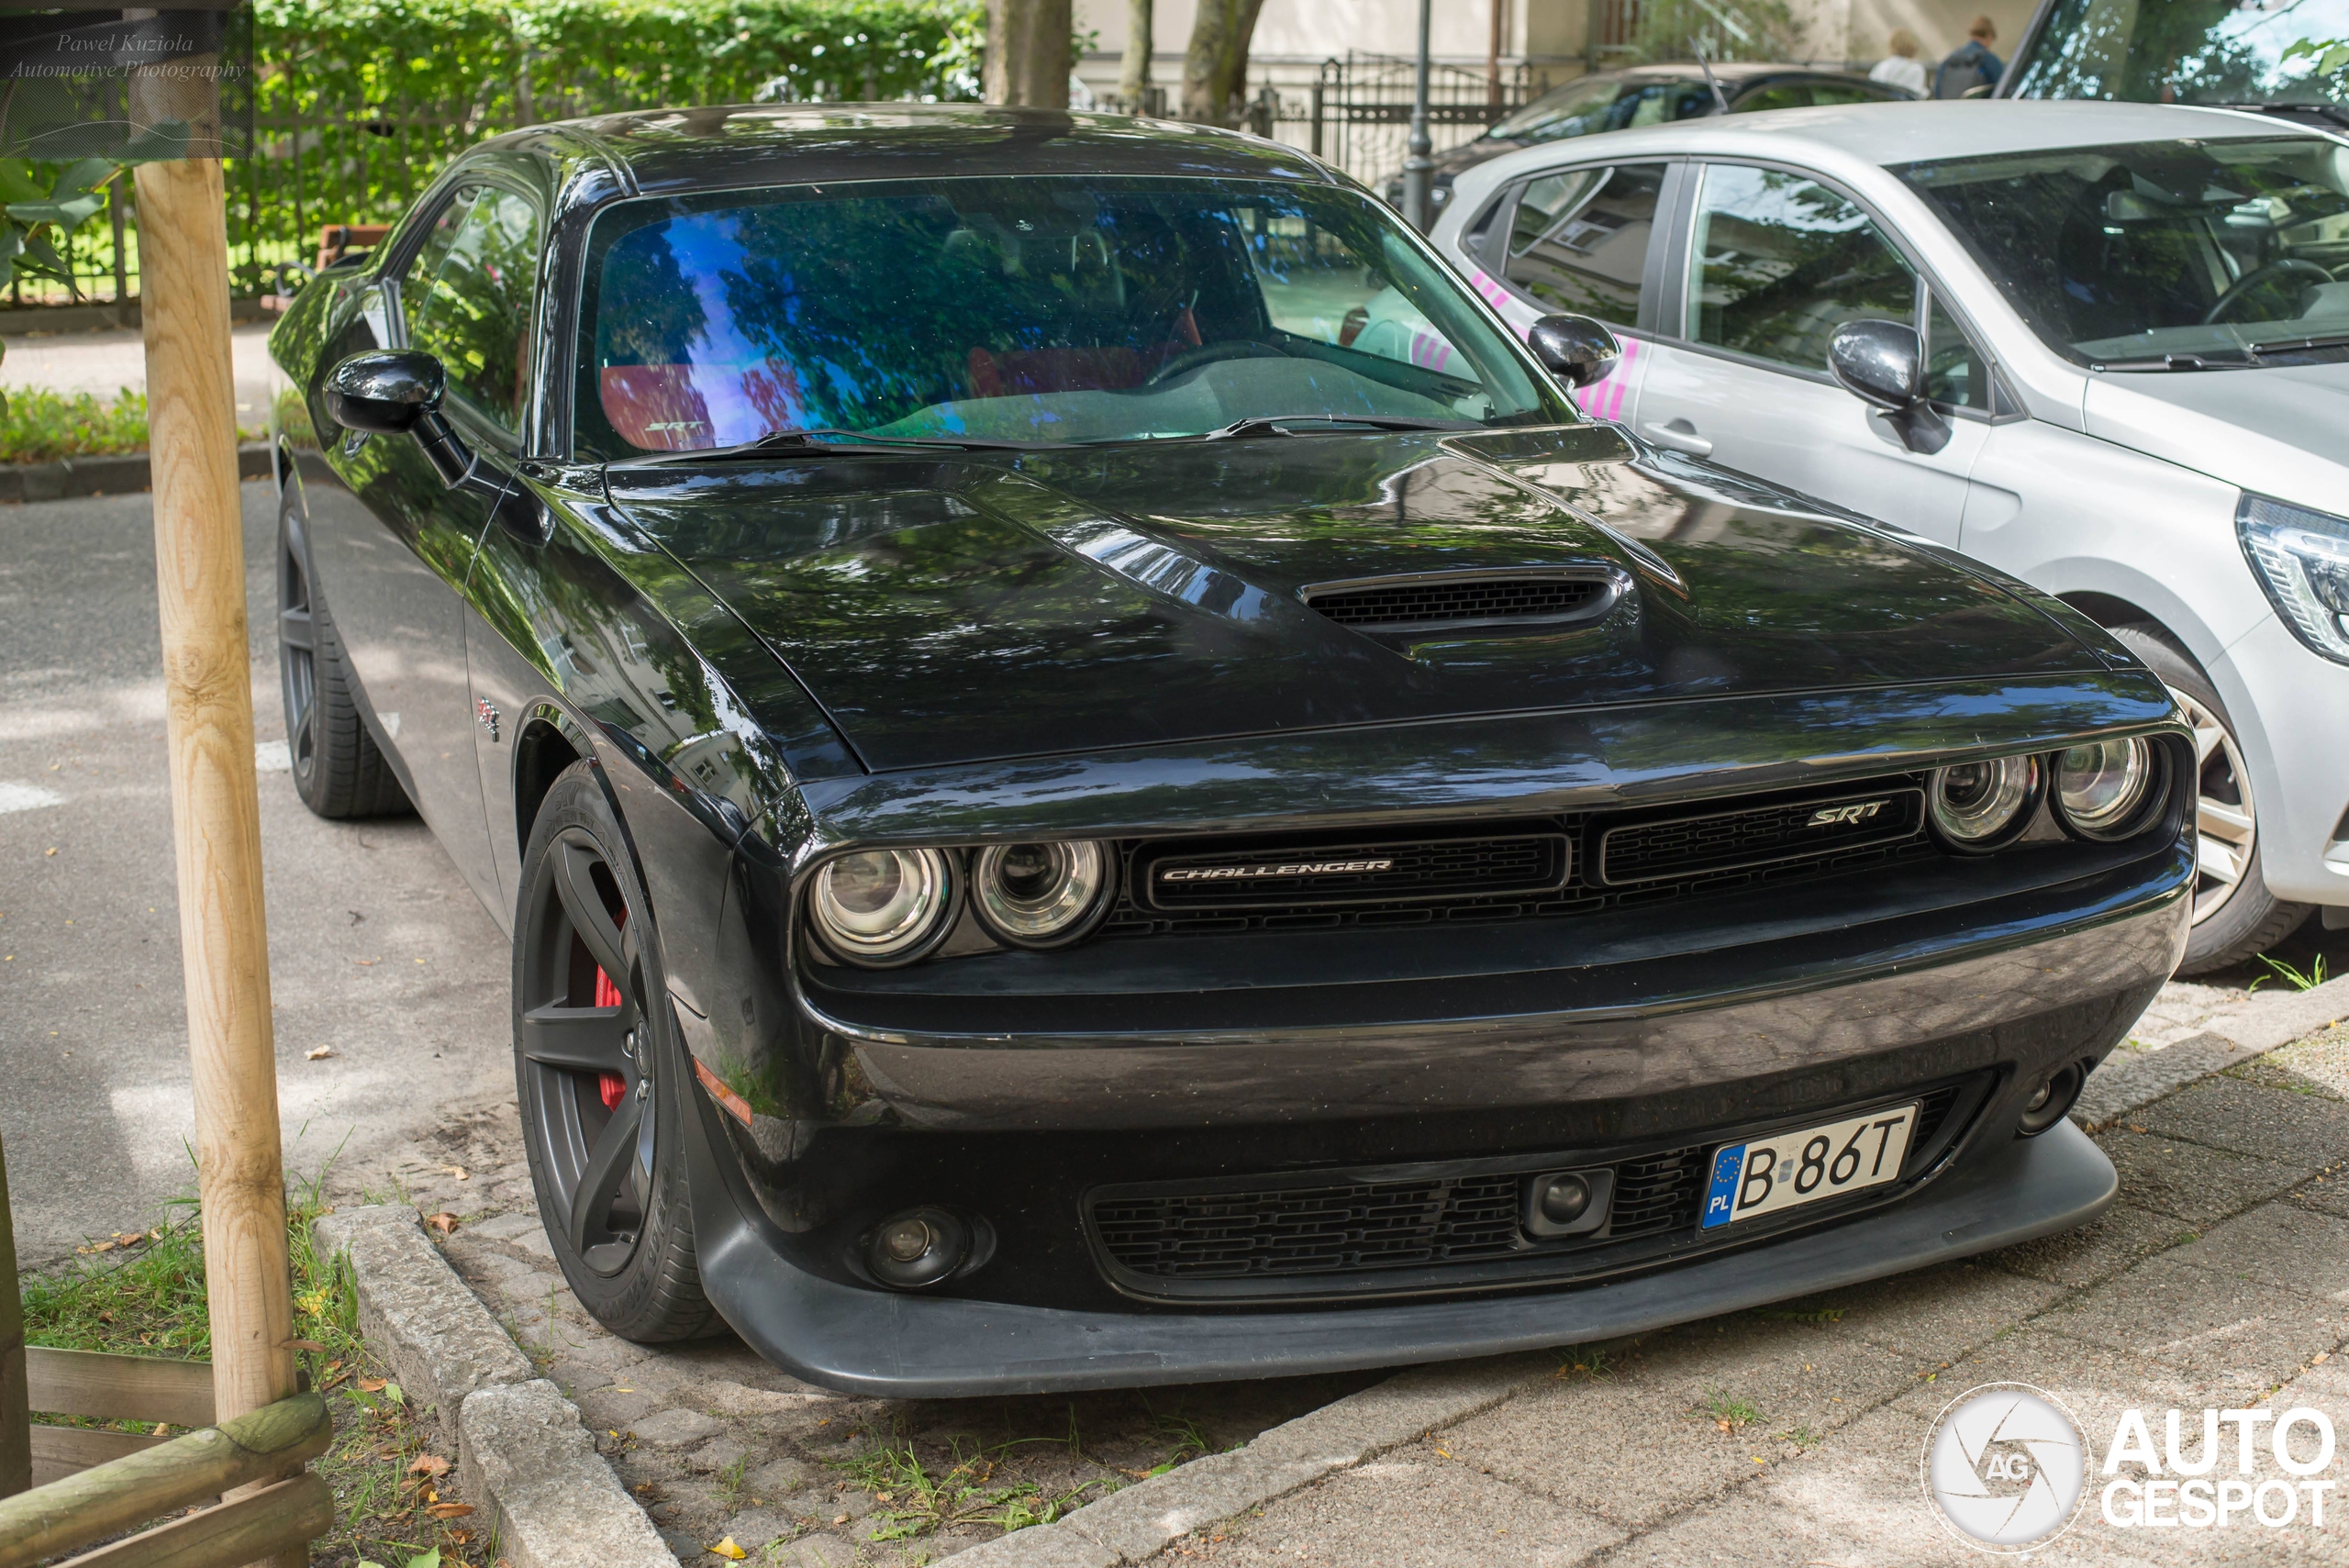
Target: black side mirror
<point x="1574" y="348"/>
<point x="1883" y="363"/>
<point x="388" y="391"/>
<point x="385" y="392"/>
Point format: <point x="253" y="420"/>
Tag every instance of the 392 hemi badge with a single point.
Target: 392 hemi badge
<point x="1277" y="868"/>
<point x="1858" y="811"/>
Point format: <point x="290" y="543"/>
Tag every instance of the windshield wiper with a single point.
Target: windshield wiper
<point x="1271" y="424"/>
<point x="2298" y="345"/>
<point x="2172" y="362"/>
<point x="818" y="436"/>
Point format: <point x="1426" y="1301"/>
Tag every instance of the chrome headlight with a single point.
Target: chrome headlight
<point x="879" y="908"/>
<point x="1980" y="805"/>
<point x="2301" y="558"/>
<point x="2102" y="788"/>
<point x="1041" y="895"/>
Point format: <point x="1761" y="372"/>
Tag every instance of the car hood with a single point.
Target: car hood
<point x="954" y="609"/>
<point x="2276" y="430"/>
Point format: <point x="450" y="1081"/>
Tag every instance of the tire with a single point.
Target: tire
<point x="602" y="1088"/>
<point x="338" y="770"/>
<point x="2235" y="917"/>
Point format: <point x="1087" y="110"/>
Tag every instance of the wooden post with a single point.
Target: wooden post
<point x="15" y="1430"/>
<point x="216" y="812"/>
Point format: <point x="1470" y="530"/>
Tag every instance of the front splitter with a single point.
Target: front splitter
<point x="874" y="1343"/>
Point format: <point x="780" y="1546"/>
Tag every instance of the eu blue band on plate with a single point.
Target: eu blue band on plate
<point x="1727" y="1163"/>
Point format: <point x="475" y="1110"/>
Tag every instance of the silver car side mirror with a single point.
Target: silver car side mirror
<point x="1883" y="363"/>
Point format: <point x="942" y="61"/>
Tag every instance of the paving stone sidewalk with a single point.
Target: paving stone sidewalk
<point x="1790" y="1435"/>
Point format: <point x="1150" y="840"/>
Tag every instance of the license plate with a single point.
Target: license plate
<point x="1785" y="1169"/>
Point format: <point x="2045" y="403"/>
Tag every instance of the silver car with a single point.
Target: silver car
<point x="2102" y="347"/>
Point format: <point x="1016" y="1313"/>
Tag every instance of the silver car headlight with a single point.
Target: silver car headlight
<point x="2301" y="558"/>
<point x="1041" y="895"/>
<point x="1977" y="806"/>
<point x="881" y="907"/>
<point x="2102" y="789"/>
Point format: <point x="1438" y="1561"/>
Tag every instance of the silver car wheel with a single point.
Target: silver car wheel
<point x="2226" y="823"/>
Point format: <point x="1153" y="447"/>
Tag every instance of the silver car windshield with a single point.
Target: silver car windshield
<point x="2204" y="253"/>
<point x="1032" y="310"/>
<point x="2186" y="51"/>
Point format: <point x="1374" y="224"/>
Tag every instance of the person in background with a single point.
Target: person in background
<point x="1901" y="68"/>
<point x="1971" y="64"/>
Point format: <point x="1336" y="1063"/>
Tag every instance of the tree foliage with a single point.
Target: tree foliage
<point x="1722" y="29"/>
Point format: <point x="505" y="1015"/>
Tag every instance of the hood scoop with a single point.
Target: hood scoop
<point x="1484" y="598"/>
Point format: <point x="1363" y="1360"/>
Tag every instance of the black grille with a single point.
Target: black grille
<point x="1312" y="875"/>
<point x="1723" y="841"/>
<point x="1370" y="1225"/>
<point x="1932" y="1109"/>
<point x="1461" y="603"/>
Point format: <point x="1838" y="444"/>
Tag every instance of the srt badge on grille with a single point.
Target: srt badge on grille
<point x="1282" y="868"/>
<point x="1828" y="816"/>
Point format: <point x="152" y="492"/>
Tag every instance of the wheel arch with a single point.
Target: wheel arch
<point x="550" y="741"/>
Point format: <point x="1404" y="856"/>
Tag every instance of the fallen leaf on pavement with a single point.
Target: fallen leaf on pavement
<point x="728" y="1550"/>
<point x="371" y="1384"/>
<point x="428" y="1464"/>
<point x="1723" y="1426"/>
<point x="444" y="1222"/>
<point x="449" y="1511"/>
<point x="312" y="1346"/>
<point x="458" y="1171"/>
<point x="318" y="1055"/>
<point x="367" y="962"/>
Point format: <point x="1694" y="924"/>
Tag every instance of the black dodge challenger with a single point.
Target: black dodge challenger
<point x="1096" y="780"/>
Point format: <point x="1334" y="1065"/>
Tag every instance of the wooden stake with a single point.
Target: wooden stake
<point x="215" y="811"/>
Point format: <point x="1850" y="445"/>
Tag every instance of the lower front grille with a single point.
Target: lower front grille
<point x="1240" y="1234"/>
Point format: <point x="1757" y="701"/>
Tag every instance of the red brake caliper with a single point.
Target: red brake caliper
<point x="609" y="1087"/>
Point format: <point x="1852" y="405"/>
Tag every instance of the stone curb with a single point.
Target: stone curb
<point x="104" y="475"/>
<point x="2129" y="1081"/>
<point x="522" y="1452"/>
<point x="1129" y="1525"/>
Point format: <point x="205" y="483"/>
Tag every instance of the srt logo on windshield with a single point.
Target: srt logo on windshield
<point x="1828" y="816"/>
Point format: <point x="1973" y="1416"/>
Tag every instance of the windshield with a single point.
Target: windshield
<point x="1585" y="108"/>
<point x="2216" y="248"/>
<point x="1029" y="310"/>
<point x="2185" y="52"/>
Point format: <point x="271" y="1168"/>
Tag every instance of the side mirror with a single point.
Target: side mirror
<point x="385" y="392"/>
<point x="1883" y="363"/>
<point x="391" y="391"/>
<point x="1574" y="348"/>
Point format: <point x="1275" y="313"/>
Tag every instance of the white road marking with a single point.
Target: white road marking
<point x="26" y="797"/>
<point x="272" y="757"/>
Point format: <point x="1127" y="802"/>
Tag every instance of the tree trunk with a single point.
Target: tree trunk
<point x="1215" y="68"/>
<point x="1133" y="75"/>
<point x="1028" y="53"/>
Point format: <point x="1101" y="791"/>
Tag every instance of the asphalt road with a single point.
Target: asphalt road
<point x="378" y="951"/>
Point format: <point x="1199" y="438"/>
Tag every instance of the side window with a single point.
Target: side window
<point x="417" y="282"/>
<point x="1825" y="93"/>
<point x="1955" y="371"/>
<point x="1580" y="239"/>
<point x="1777" y="95"/>
<point x="474" y="310"/>
<point x="1777" y="262"/>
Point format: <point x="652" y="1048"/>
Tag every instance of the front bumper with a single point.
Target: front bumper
<point x="2293" y="720"/>
<point x="866" y="1342"/>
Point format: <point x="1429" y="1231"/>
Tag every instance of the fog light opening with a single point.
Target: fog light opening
<point x="917" y="1249"/>
<point x="1568" y="1203"/>
<point x="2051" y="1099"/>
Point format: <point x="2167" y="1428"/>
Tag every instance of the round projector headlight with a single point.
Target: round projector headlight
<point x="2102" y="789"/>
<point x="1980" y="805"/>
<point x="883" y="906"/>
<point x="1041" y="895"/>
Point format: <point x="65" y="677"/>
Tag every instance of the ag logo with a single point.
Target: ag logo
<point x="1827" y="815"/>
<point x="2005" y="1467"/>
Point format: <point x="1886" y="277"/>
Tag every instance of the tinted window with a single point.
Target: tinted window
<point x="2184" y="51"/>
<point x="417" y="282"/>
<point x="1777" y="262"/>
<point x="1777" y="95"/>
<point x="1580" y="239"/>
<point x="1050" y="310"/>
<point x="1955" y="371"/>
<point x="472" y="310"/>
<point x="1584" y="108"/>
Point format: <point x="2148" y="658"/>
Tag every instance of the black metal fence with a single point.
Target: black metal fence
<point x="1357" y="113"/>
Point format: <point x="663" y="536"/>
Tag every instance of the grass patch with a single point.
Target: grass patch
<point x="918" y="1498"/>
<point x="1727" y="1413"/>
<point x="42" y="427"/>
<point x="146" y="1297"/>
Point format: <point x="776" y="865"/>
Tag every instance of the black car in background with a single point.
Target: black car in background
<point x="1097" y="781"/>
<point x="1644" y="96"/>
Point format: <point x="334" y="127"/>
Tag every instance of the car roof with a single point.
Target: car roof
<point x="1911" y="131"/>
<point x="754" y="144"/>
<point x="1689" y="71"/>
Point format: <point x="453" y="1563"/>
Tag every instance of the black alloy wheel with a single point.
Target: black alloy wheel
<point x="597" y="1064"/>
<point x="338" y="770"/>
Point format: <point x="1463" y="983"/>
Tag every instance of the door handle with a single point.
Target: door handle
<point x="1679" y="436"/>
